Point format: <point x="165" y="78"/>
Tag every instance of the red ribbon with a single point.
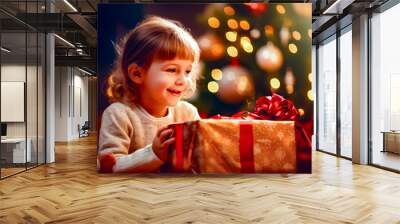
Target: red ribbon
<point x="303" y="150"/>
<point x="246" y="147"/>
<point x="179" y="147"/>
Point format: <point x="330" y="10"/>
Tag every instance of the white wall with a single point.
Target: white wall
<point x="61" y="103"/>
<point x="71" y="94"/>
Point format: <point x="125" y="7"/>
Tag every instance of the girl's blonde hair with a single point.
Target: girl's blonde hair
<point x="155" y="38"/>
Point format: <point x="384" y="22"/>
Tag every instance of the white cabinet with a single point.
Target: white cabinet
<point x="15" y="148"/>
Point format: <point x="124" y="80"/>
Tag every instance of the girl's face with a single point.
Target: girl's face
<point x="164" y="82"/>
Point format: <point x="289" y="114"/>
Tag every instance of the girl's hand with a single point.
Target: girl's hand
<point x="161" y="141"/>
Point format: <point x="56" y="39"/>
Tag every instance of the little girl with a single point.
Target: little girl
<point x="155" y="69"/>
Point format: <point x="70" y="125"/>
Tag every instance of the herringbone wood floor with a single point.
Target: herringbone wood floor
<point x="70" y="191"/>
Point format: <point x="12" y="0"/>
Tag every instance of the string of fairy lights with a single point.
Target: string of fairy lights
<point x="241" y="35"/>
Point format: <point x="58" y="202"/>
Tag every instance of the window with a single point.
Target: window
<point x="346" y="93"/>
<point x="327" y="96"/>
<point x="385" y="89"/>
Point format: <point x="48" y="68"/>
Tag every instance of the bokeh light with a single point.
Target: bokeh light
<point x="233" y="24"/>
<point x="254" y="33"/>
<point x="216" y="74"/>
<point x="280" y="9"/>
<point x="244" y="24"/>
<point x="213" y="86"/>
<point x="231" y="36"/>
<point x="246" y="44"/>
<point x="269" y="30"/>
<point x="296" y="35"/>
<point x="275" y="83"/>
<point x="232" y="51"/>
<point x="301" y="111"/>
<point x="229" y="11"/>
<point x="213" y="22"/>
<point x="293" y="48"/>
<point x="310" y="95"/>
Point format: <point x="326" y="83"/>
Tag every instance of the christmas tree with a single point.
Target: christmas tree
<point x="252" y="50"/>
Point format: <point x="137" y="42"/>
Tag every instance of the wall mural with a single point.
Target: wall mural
<point x="204" y="88"/>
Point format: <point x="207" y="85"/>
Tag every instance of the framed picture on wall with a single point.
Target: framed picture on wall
<point x="12" y="101"/>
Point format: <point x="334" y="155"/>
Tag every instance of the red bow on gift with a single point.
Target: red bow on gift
<point x="273" y="107"/>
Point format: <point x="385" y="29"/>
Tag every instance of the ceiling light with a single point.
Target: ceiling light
<point x="331" y="7"/>
<point x="64" y="40"/>
<point x="70" y="5"/>
<point x="5" y="50"/>
<point x="84" y="71"/>
<point x="337" y="7"/>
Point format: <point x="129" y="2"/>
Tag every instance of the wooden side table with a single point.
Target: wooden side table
<point x="391" y="141"/>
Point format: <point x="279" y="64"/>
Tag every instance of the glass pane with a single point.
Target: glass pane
<point x="41" y="99"/>
<point x="312" y="80"/>
<point x="346" y="94"/>
<point x="31" y="97"/>
<point x="327" y="96"/>
<point x="385" y="86"/>
<point x="13" y="85"/>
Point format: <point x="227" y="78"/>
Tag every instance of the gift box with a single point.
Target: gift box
<point x="236" y="146"/>
<point x="269" y="140"/>
<point x="242" y="146"/>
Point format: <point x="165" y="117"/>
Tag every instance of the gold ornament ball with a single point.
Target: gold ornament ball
<point x="211" y="47"/>
<point x="269" y="58"/>
<point x="236" y="84"/>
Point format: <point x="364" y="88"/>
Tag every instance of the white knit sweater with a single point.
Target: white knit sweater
<point x="127" y="131"/>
